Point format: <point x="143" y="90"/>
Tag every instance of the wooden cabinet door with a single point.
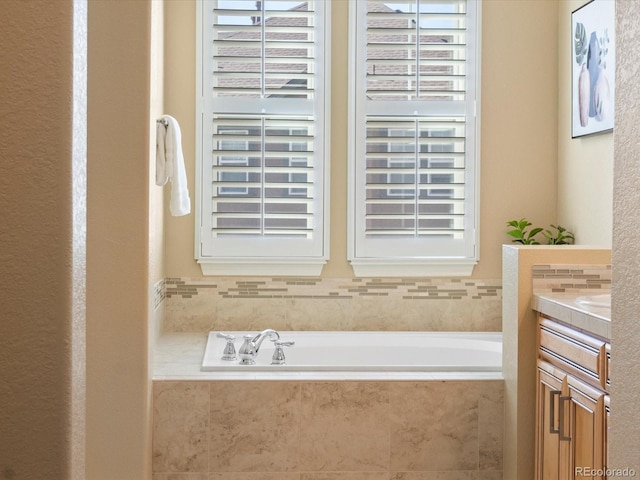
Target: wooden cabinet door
<point x="572" y="406"/>
<point x="586" y="429"/>
<point x="549" y="390"/>
<point x="570" y="426"/>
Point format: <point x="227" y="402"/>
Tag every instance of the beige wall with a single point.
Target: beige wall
<point x="585" y="164"/>
<point x="156" y="106"/>
<point x="118" y="438"/>
<point x="156" y="193"/>
<point x="625" y="351"/>
<point x="179" y="102"/>
<point x="519" y="127"/>
<point x="518" y="137"/>
<point x="35" y="234"/>
<point x="42" y="243"/>
<point x="79" y="242"/>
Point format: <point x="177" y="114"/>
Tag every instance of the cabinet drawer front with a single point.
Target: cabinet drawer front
<point x="574" y="351"/>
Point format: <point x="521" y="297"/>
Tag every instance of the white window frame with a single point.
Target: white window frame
<point x="262" y="256"/>
<point x="397" y="262"/>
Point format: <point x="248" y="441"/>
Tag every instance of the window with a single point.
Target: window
<point x="262" y="122"/>
<point x="413" y="155"/>
<point x="262" y="126"/>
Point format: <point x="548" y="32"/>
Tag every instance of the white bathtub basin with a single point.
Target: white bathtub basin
<point x="601" y="300"/>
<point x="369" y="351"/>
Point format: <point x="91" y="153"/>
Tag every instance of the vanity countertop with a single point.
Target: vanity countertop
<point x="565" y="307"/>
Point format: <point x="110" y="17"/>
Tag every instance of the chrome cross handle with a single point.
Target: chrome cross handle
<point x="229" y="352"/>
<point x="278" y="354"/>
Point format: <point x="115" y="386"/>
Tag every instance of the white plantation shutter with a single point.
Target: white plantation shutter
<point x="263" y="137"/>
<point x="413" y="131"/>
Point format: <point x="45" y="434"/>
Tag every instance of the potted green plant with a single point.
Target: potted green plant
<point x="561" y="236"/>
<point x="520" y="234"/>
<point x="519" y="230"/>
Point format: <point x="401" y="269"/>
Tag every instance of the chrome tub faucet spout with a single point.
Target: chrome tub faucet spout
<point x="249" y="349"/>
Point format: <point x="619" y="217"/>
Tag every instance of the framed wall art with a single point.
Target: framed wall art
<point x="593" y="68"/>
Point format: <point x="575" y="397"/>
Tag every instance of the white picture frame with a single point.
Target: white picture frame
<point x="593" y="68"/>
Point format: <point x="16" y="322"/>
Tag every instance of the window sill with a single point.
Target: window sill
<point x="261" y="267"/>
<point x="413" y="267"/>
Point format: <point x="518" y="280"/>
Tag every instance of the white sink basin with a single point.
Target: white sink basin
<point x="602" y="300"/>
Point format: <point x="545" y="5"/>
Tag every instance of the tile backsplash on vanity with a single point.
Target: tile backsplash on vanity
<point x="556" y="289"/>
<point x="288" y="303"/>
<point x="571" y="278"/>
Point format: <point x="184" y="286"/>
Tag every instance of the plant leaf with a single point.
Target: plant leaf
<point x="523" y="224"/>
<point x="534" y="232"/>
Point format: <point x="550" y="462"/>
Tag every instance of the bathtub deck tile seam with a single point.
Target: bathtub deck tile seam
<point x="430" y="297"/>
<point x="257" y="289"/>
<point x="331" y="297"/>
<point x="383" y="286"/>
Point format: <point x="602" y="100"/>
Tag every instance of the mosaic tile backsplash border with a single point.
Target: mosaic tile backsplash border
<point x="290" y="303"/>
<point x="288" y="287"/>
<point x="571" y="278"/>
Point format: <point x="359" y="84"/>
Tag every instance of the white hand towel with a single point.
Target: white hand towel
<point x="174" y="170"/>
<point x="162" y="176"/>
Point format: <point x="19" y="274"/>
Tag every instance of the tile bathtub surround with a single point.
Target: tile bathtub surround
<point x="571" y="278"/>
<point x="286" y="303"/>
<point x="469" y="475"/>
<point x="430" y="430"/>
<point x="181" y="439"/>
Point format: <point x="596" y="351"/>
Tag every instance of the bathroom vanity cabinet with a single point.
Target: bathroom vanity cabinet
<point x="572" y="404"/>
